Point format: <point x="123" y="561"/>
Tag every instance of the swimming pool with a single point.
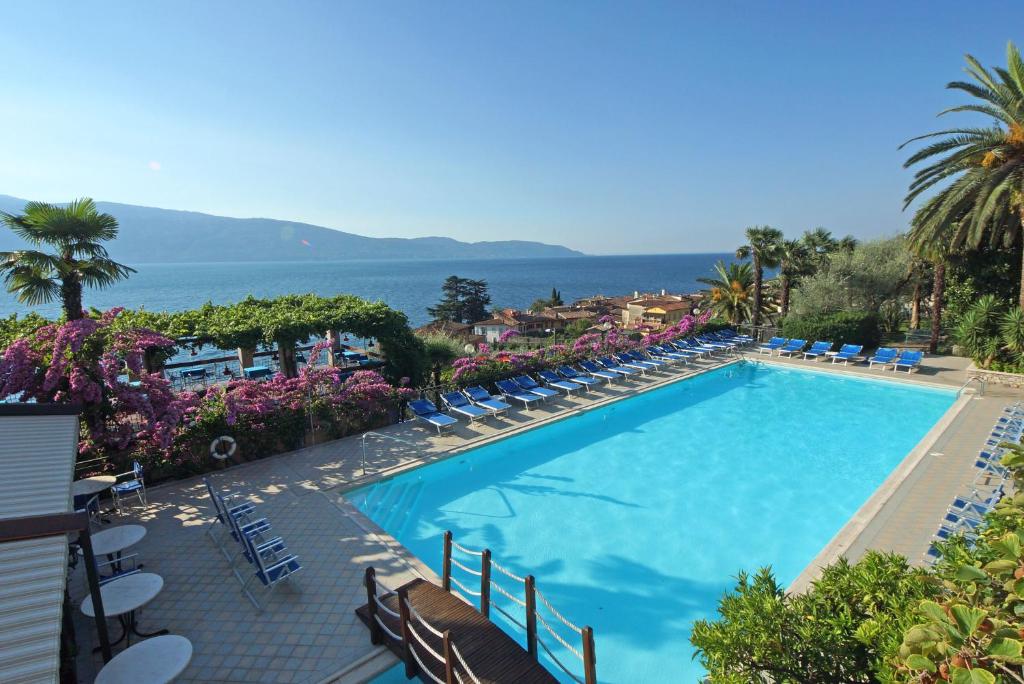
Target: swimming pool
<point x="635" y="517"/>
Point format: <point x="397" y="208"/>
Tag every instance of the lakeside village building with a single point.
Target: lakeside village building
<point x="632" y="312"/>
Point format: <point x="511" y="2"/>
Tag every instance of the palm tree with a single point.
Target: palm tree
<point x="762" y="249"/>
<point x="732" y="291"/>
<point x="820" y="244"/>
<point x="440" y="350"/>
<point x="919" y="273"/>
<point x="794" y="262"/>
<point x="75" y="233"/>
<point x="982" y="169"/>
<point x="847" y="244"/>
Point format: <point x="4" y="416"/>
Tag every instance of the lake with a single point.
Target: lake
<point x="407" y="285"/>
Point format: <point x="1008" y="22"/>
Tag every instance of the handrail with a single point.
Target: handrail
<point x="373" y="433"/>
<point x="529" y="604"/>
<point x="971" y="379"/>
<point x="450" y="660"/>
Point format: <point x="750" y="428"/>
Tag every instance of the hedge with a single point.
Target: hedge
<point x="845" y="327"/>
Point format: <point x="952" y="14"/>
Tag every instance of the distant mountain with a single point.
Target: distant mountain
<point x="150" y="235"/>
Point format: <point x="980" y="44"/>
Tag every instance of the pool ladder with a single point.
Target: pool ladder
<point x="979" y="380"/>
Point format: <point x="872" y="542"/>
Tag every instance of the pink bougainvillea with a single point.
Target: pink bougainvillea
<point x="485" y="367"/>
<point x="507" y="335"/>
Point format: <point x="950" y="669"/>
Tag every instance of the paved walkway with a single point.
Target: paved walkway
<point x="308" y="631"/>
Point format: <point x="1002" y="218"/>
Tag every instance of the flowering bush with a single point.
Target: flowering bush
<point x="130" y="412"/>
<point x="487" y="367"/>
<point x="84" y="362"/>
<point x="507" y="335"/>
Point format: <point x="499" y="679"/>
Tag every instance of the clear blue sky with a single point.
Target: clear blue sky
<point x="611" y="128"/>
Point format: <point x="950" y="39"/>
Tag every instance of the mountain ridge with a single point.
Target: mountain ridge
<point x="156" y="235"/>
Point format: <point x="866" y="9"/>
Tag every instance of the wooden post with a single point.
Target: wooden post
<point x="485" y="583"/>
<point x="332" y="351"/>
<point x="446" y="567"/>
<point x="376" y="633"/>
<point x="245" y="359"/>
<point x="286" y="358"/>
<point x="92" y="574"/>
<point x="403" y="611"/>
<point x="449" y="658"/>
<point x="531" y="615"/>
<point x="589" y="658"/>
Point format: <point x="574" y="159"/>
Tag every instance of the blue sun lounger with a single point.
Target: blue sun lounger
<point x="482" y="398"/>
<point x="639" y="359"/>
<point x="684" y="347"/>
<point x="663" y="354"/>
<point x="792" y="347"/>
<point x="818" y="349"/>
<point x="511" y="390"/>
<point x="592" y="369"/>
<point x="771" y="345"/>
<point x="884" y="356"/>
<point x="598" y="371"/>
<point x="645" y="357"/>
<point x="458" y="403"/>
<point x="709" y="341"/>
<point x="552" y="380"/>
<point x="533" y="387"/>
<point x="611" y="366"/>
<point x="736" y="336"/>
<point x="425" y="410"/>
<point x="573" y="375"/>
<point x="613" y="363"/>
<point x="847" y="353"/>
<point x="908" y="359"/>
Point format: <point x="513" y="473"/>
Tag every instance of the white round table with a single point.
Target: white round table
<point x="155" y="661"/>
<point x="125" y="595"/>
<point x="116" y="539"/>
<point x="92" y="485"/>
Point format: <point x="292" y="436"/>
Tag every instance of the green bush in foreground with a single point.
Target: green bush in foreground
<point x="838" y="631"/>
<point x="845" y="327"/>
<point x="879" y="620"/>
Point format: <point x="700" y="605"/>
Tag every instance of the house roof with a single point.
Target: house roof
<point x="40" y="442"/>
<point x="672" y="306"/>
<point x="491" y="321"/>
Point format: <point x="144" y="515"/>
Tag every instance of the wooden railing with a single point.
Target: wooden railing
<point x="413" y="644"/>
<point x="531" y="616"/>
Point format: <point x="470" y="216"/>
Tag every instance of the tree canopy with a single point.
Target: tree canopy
<point x="74" y="233"/>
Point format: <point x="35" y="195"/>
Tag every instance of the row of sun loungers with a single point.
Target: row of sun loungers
<point x="477" y="403"/>
<point x="967" y="512"/>
<point x="268" y="556"/>
<point x="886" y="357"/>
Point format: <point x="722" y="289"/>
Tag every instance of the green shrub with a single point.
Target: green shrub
<point x="839" y="630"/>
<point x="844" y="327"/>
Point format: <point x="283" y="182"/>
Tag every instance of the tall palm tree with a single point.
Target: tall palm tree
<point x="731" y="292"/>
<point x="794" y="262"/>
<point x="982" y="169"/>
<point x="820" y="243"/>
<point x="847" y="243"/>
<point x="919" y="273"/>
<point x="762" y="248"/>
<point x="78" y="259"/>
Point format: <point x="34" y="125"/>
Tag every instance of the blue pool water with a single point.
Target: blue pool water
<point x="636" y="517"/>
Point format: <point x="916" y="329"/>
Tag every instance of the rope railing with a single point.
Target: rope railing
<point x="413" y="644"/>
<point x="528" y="603"/>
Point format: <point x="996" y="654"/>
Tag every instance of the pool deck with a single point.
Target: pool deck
<point x="308" y="631"/>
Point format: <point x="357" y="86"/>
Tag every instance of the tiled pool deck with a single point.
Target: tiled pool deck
<point x="308" y="631"/>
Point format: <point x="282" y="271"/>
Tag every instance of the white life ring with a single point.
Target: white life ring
<point x="218" y="444"/>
